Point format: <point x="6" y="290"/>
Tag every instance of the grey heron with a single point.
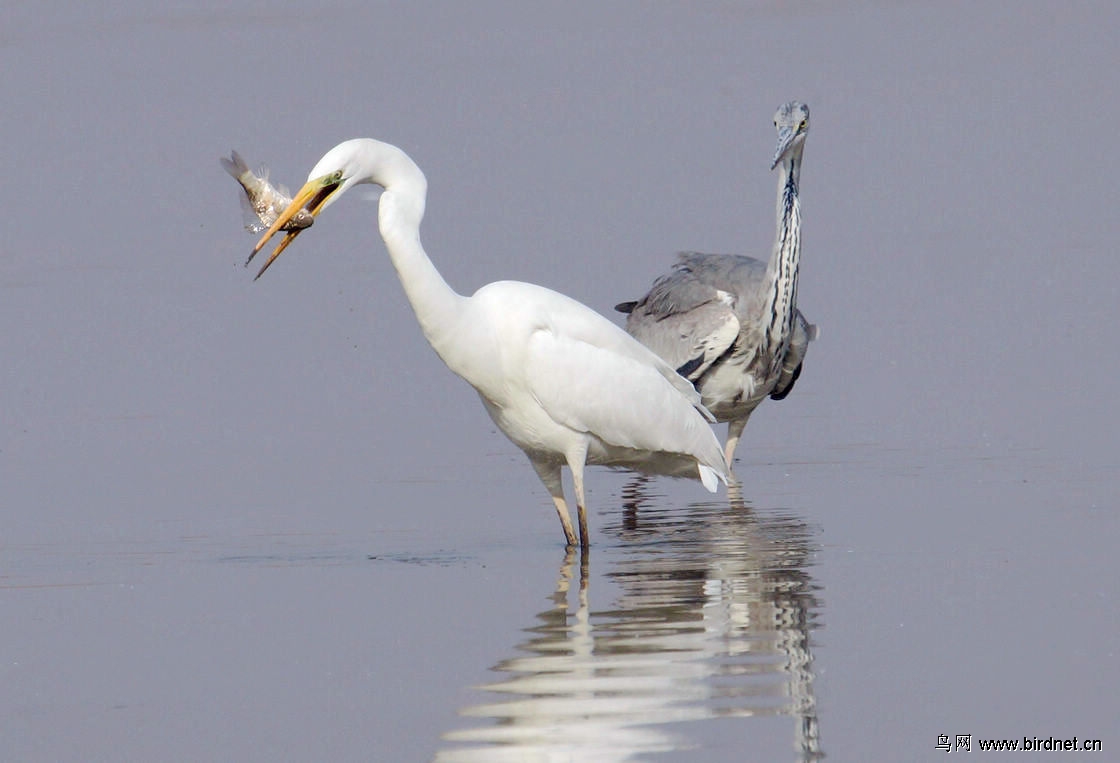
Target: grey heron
<point x="564" y="383"/>
<point x="729" y="323"/>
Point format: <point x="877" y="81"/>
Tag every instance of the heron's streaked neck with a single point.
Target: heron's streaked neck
<point x="781" y="272"/>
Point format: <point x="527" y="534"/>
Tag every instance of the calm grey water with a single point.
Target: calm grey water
<point x="261" y="521"/>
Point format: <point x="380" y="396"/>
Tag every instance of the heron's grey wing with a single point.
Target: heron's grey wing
<point x="744" y="277"/>
<point x="699" y="278"/>
<point x="735" y="273"/>
<point x="803" y="333"/>
<point x="688" y="323"/>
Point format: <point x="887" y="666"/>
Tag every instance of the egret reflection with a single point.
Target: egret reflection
<point x="712" y="618"/>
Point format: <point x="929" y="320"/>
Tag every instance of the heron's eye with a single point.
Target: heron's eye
<point x="803" y="125"/>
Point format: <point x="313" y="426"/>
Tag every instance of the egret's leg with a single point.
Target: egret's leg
<point x="581" y="508"/>
<point x="734" y="433"/>
<point x="550" y="475"/>
<point x="576" y="461"/>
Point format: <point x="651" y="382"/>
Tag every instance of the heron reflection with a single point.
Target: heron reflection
<point x="712" y="618"/>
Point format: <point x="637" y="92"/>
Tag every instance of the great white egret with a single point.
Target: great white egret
<point x="730" y="323"/>
<point x="563" y="382"/>
<point x="262" y="202"/>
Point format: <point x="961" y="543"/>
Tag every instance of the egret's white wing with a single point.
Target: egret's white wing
<point x="565" y="317"/>
<point x="621" y="399"/>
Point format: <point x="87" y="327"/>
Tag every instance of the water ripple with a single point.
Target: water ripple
<point x="712" y="619"/>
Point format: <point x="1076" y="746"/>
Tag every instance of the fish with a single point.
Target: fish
<point x="262" y="202"/>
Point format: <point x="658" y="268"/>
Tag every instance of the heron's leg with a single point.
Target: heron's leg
<point x="734" y="434"/>
<point x="577" y="458"/>
<point x="549" y="472"/>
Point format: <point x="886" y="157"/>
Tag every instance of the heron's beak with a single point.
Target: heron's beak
<point x="312" y="196"/>
<point x="786" y="138"/>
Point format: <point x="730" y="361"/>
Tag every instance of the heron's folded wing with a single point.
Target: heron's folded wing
<point x="803" y="333"/>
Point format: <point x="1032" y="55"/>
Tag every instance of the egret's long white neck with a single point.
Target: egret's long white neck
<point x="781" y="272"/>
<point x="401" y="209"/>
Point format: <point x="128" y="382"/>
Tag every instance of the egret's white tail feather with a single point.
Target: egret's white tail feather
<point x="710" y="477"/>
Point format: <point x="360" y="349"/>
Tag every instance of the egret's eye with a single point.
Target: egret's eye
<point x="336" y="176"/>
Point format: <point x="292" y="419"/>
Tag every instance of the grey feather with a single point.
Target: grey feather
<point x="729" y="323"/>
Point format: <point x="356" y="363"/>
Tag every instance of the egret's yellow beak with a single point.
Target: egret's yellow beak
<point x="312" y="196"/>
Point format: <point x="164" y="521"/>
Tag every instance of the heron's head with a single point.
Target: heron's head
<point x="792" y="122"/>
<point x="332" y="176"/>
